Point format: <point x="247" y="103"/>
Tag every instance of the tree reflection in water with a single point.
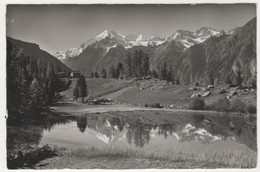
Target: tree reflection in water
<point x="138" y="132"/>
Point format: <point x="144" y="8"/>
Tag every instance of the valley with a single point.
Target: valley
<point x="130" y="101"/>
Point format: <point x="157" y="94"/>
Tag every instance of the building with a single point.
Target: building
<point x="74" y="74"/>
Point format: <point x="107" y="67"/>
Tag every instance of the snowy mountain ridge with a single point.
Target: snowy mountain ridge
<point x="184" y="38"/>
<point x="187" y="38"/>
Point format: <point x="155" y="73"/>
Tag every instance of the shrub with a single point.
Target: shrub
<point x="222" y="105"/>
<point x="156" y="105"/>
<point x="196" y="104"/>
<point x="238" y="106"/>
<point x="251" y="109"/>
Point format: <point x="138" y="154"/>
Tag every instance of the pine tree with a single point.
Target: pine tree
<point x="177" y="81"/>
<point x="76" y="93"/>
<point x="118" y="70"/>
<point x="139" y="63"/>
<point x="50" y="71"/>
<point x="82" y="87"/>
<point x="129" y="65"/>
<point x="92" y="75"/>
<point x="239" y="79"/>
<point x="96" y="75"/>
<point x="112" y="72"/>
<point x="145" y="65"/>
<point x="228" y="80"/>
<point x="169" y="74"/>
<point x="154" y="74"/>
<point x="37" y="94"/>
<point x="164" y="71"/>
<point x="103" y="73"/>
<point x="211" y="77"/>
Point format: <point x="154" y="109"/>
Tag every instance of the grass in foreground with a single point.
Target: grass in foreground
<point x="228" y="159"/>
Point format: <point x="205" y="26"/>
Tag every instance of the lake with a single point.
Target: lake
<point x="145" y="131"/>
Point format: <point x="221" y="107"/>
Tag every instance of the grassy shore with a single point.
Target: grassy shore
<point x="121" y="158"/>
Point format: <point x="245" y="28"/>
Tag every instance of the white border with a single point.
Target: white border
<point x="3" y="68"/>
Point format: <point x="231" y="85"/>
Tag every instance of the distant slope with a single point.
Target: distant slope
<point x="222" y="55"/>
<point x="35" y="52"/>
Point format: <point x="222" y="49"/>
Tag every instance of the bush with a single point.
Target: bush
<point x="238" y="106"/>
<point x="196" y="104"/>
<point x="251" y="109"/>
<point x="222" y="105"/>
<point x="156" y="105"/>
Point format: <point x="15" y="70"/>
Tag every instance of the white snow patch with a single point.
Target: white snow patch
<point x="139" y="38"/>
<point x="102" y="35"/>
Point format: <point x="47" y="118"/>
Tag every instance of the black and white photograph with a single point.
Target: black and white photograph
<point x="130" y="86"/>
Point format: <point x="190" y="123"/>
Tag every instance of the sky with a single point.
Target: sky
<point x="60" y="27"/>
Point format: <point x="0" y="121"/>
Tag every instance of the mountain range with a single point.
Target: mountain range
<point x="192" y="55"/>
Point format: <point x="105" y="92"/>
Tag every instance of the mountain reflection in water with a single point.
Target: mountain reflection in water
<point x="139" y="131"/>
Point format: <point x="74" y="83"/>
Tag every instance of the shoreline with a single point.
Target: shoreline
<point x="79" y="109"/>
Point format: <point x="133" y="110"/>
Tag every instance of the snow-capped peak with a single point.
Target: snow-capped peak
<point x="139" y="38"/>
<point x="188" y="38"/>
<point x="207" y="31"/>
<point x="103" y="35"/>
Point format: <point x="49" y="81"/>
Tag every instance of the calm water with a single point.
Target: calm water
<point x="187" y="133"/>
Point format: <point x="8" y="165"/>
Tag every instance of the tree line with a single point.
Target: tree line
<point x="31" y="84"/>
<point x="137" y="64"/>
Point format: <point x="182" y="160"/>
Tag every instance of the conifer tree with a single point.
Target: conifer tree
<point x="164" y="71"/>
<point x="92" y="75"/>
<point x="103" y="73"/>
<point x="145" y="65"/>
<point x="76" y="93"/>
<point x="82" y="88"/>
<point x="211" y="77"/>
<point x="129" y="65"/>
<point x="239" y="79"/>
<point x="112" y="72"/>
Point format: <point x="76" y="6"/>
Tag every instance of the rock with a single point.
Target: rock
<point x="206" y="94"/>
<point x="193" y="88"/>
<point x="232" y="93"/>
<point x="210" y="86"/>
<point x="222" y="91"/>
<point x="196" y="95"/>
<point x="206" y="121"/>
<point x="172" y="106"/>
<point x="236" y="88"/>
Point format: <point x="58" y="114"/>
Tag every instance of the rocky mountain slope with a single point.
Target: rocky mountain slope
<point x="223" y="55"/>
<point x="35" y="52"/>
